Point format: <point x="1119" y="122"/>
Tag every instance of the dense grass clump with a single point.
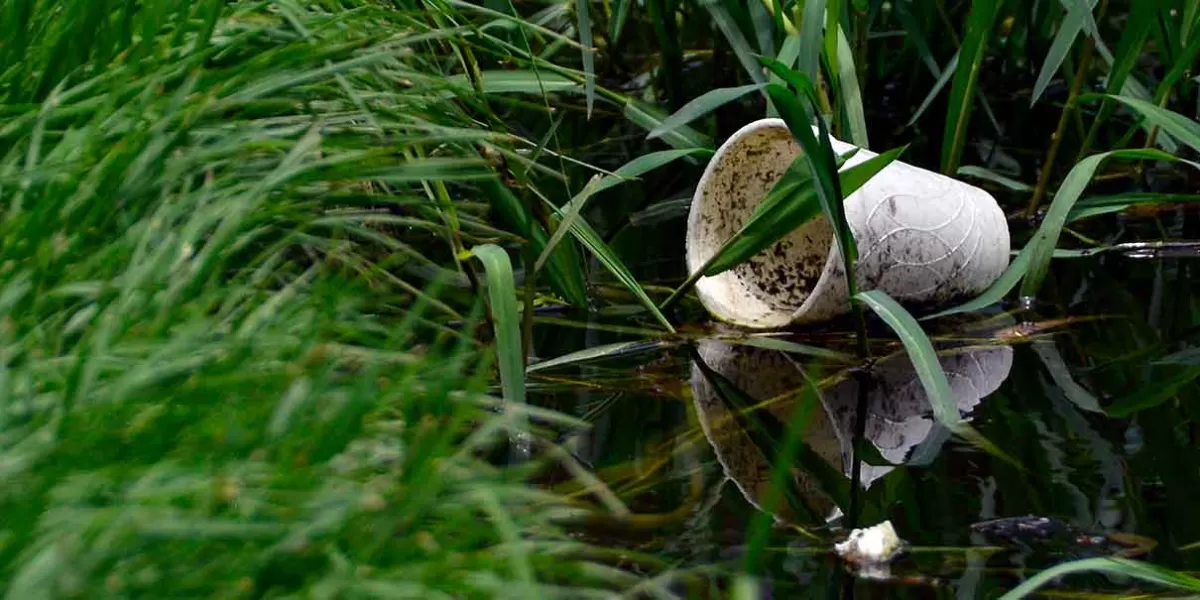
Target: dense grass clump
<point x="225" y="370"/>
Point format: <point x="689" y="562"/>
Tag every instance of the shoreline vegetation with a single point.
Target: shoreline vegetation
<point x="270" y="271"/>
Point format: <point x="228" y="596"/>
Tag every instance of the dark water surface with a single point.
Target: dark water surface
<point x="692" y="457"/>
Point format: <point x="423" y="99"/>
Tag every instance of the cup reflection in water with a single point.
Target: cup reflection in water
<point x="899" y="422"/>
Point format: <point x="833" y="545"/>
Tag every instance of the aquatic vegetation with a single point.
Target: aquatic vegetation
<point x="388" y="298"/>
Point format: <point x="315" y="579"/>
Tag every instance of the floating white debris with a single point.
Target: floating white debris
<point x="871" y="547"/>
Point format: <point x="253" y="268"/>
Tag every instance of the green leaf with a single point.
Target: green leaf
<point x="979" y="27"/>
<point x="811" y="38"/>
<point x="701" y="106"/>
<point x="1153" y="393"/>
<point x="518" y="82"/>
<point x="1101" y="205"/>
<point x="773" y="343"/>
<point x="592" y="241"/>
<point x="506" y="319"/>
<point x="733" y="34"/>
<point x="565" y="267"/>
<point x="1078" y="17"/>
<point x="617" y="22"/>
<point x="627" y="172"/>
<point x="1041" y="246"/>
<point x="648" y="118"/>
<point x="929" y="369"/>
<point x="1129" y="49"/>
<point x="1179" y="126"/>
<point x="852" y="104"/>
<point x="589" y="60"/>
<point x="1113" y="566"/>
<point x="994" y="177"/>
<point x="938" y="85"/>
<point x="1032" y="263"/>
<point x="997" y="291"/>
<point x="601" y="352"/>
<point x="818" y="153"/>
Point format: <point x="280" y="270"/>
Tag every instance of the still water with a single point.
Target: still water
<point x="1090" y="395"/>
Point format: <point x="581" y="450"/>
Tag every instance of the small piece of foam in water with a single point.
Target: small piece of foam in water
<point x="873" y="546"/>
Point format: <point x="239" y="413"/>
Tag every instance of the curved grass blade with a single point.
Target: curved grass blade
<point x="1152" y="394"/>
<point x="627" y="172"/>
<point x="979" y="27"/>
<point x="649" y="118"/>
<point x="786" y="58"/>
<point x="1103" y="205"/>
<point x="782" y="473"/>
<point x="1041" y="246"/>
<point x="1179" y="126"/>
<point x="764" y="27"/>
<point x="789" y="205"/>
<point x="1113" y="566"/>
<point x="1078" y="18"/>
<point x="1061" y="374"/>
<point x="616" y="350"/>
<point x="564" y="265"/>
<point x="506" y="319"/>
<point x="701" y="106"/>
<point x="592" y="241"/>
<point x="929" y="369"/>
<point x="589" y="60"/>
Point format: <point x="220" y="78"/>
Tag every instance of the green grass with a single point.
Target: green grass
<point x="269" y="270"/>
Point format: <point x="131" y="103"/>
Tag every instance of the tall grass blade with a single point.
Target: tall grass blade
<point x="929" y="369"/>
<point x="1122" y="567"/>
<point x="1179" y="126"/>
<point x="506" y="319"/>
<point x="701" y="106"/>
<point x="518" y="82"/>
<point x="811" y="39"/>
<point x="1078" y="18"/>
<point x="818" y="153"/>
<point x="649" y="118"/>
<point x="616" y="24"/>
<point x="565" y="266"/>
<point x="584" y="24"/>
<point x="592" y="241"/>
<point x="979" y="28"/>
<point x="627" y="172"/>
<point x="942" y="80"/>
<point x="782" y="474"/>
<point x="852" y="102"/>
<point x="733" y="34"/>
<point x="1129" y="48"/>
